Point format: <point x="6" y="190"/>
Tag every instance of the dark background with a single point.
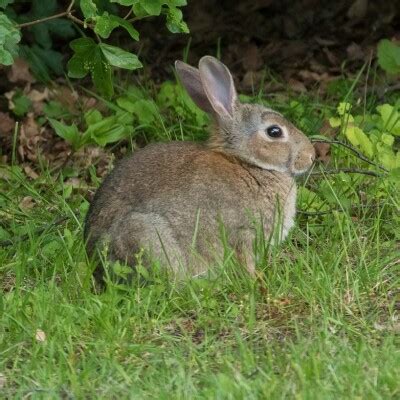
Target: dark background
<point x="306" y="41"/>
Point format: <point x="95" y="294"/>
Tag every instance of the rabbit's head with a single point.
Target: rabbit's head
<point x="255" y="134"/>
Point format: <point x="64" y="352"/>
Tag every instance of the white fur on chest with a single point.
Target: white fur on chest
<point x="289" y="211"/>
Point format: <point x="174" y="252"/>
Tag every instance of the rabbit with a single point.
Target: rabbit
<point x="169" y="200"/>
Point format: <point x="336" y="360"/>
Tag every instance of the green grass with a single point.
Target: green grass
<point x="321" y="322"/>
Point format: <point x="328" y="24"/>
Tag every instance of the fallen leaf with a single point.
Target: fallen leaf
<point x="27" y="203"/>
<point x="354" y="52"/>
<point x="363" y="197"/>
<point x="66" y="97"/>
<point x="393" y="327"/>
<point x="358" y="9"/>
<point x="293" y="49"/>
<point x="284" y="301"/>
<point x="76" y="183"/>
<point x="297" y="86"/>
<point x="252" y="60"/>
<point x="290" y="27"/>
<point x="30" y="172"/>
<point x="332" y="58"/>
<point x="40" y="336"/>
<point x="312" y="76"/>
<point x="252" y="79"/>
<point x="5" y="173"/>
<point x="322" y="151"/>
<point x="38" y="99"/>
<point x="325" y="42"/>
<point x="246" y="8"/>
<point x="29" y="138"/>
<point x="9" y="96"/>
<point x="7" y="124"/>
<point x="327" y="130"/>
<point x="19" y="72"/>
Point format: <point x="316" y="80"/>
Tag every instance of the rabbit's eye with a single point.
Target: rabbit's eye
<point x="274" y="131"/>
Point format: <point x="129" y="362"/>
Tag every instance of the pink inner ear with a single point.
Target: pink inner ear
<point x="218" y="84"/>
<point x="190" y="79"/>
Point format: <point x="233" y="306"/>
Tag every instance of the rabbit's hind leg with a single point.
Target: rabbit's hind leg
<point x="149" y="232"/>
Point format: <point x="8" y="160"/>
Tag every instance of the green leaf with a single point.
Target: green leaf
<point x="76" y="67"/>
<point x="389" y="56"/>
<point x="177" y="3"/>
<point x="92" y="117"/>
<point x="36" y="64"/>
<point x="22" y="104"/>
<point x="52" y="59"/>
<point x="54" y="109"/>
<point x="41" y="35"/>
<point x="43" y="8"/>
<point x="175" y="24"/>
<point x="139" y="10"/>
<point x="82" y="45"/>
<point x="46" y="31"/>
<point x="5" y="56"/>
<point x="113" y="135"/>
<point x="101" y="126"/>
<point x="127" y="26"/>
<point x="120" y="58"/>
<point x="121" y="271"/>
<point x="125" y="2"/>
<point x="387" y="139"/>
<point x="89" y="8"/>
<point x="143" y="8"/>
<point x="126" y="103"/>
<point x="334" y="122"/>
<point x="124" y="118"/>
<point x="106" y="23"/>
<point x="51" y="249"/>
<point x="152" y="7"/>
<point x="62" y="28"/>
<point x="146" y="111"/>
<point x="390" y="118"/>
<point x="358" y="138"/>
<point x="68" y="133"/>
<point x="343" y="108"/>
<point x="5" y="3"/>
<point x="107" y="130"/>
<point x="89" y="57"/>
<point x="9" y="38"/>
<point x="388" y="160"/>
<point x="102" y="74"/>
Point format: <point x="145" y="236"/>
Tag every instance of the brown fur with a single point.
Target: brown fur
<point x="190" y="180"/>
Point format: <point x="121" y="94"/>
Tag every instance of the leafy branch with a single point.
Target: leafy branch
<point x="97" y="59"/>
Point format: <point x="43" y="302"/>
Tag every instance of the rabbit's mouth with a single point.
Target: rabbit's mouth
<point x="304" y="161"/>
<point x="301" y="172"/>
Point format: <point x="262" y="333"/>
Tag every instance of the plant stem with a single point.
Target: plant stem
<point x="38" y="21"/>
<point x="355" y="151"/>
<point x="67" y="13"/>
<point x="77" y="20"/>
<point x="129" y="14"/>
<point x="70" y="6"/>
<point x="347" y="171"/>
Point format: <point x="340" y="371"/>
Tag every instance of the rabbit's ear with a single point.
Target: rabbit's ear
<point x="190" y="79"/>
<point x="218" y="85"/>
